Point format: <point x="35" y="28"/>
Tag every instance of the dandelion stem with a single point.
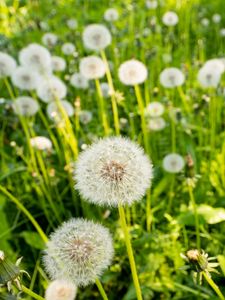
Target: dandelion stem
<point x="101" y="289"/>
<point x="130" y="252"/>
<point x="26" y="212"/>
<point x="31" y="293"/>
<point x="192" y="198"/>
<point x="213" y="285"/>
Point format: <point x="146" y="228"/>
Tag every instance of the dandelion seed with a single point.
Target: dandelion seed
<point x="85" y="116"/>
<point x="25" y="106"/>
<point x="170" y="18"/>
<point x="111" y="15"/>
<point x="79" y="81"/>
<point x="41" y="143"/>
<point x="61" y="290"/>
<point x="113" y="171"/>
<point x="173" y="163"/>
<point x="58" y="63"/>
<point x="25" y="78"/>
<point x="51" y="89"/>
<point x="171" y="77"/>
<point x="36" y="57"/>
<point x="96" y="37"/>
<point x="68" y="48"/>
<point x="132" y="72"/>
<point x="49" y="39"/>
<point x="92" y="67"/>
<point x="78" y="251"/>
<point x="7" y="65"/>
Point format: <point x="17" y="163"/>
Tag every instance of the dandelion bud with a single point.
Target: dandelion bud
<point x="61" y="290"/>
<point x="78" y="251"/>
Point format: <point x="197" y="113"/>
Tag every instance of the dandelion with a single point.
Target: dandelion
<point x="105" y="89"/>
<point x="78" y="251"/>
<point x="209" y="77"/>
<point x="68" y="48"/>
<point x="36" y="57"/>
<point x="215" y="63"/>
<point x="111" y="15"/>
<point x="156" y="124"/>
<point x="54" y="111"/>
<point x="171" y="77"/>
<point x="205" y="22"/>
<point x="72" y="23"/>
<point x="85" y="116"/>
<point x="25" y="78"/>
<point x="92" y="67"/>
<point x="25" y="106"/>
<point x="170" y="18"/>
<point x="58" y="63"/>
<point x="61" y="290"/>
<point x="173" y="163"/>
<point x="113" y="171"/>
<point x="132" y="72"/>
<point x="79" y="81"/>
<point x="7" y="65"/>
<point x="151" y="4"/>
<point x="154" y="109"/>
<point x="49" y="39"/>
<point x="41" y="143"/>
<point x="222" y="32"/>
<point x="51" y="89"/>
<point x="96" y="37"/>
<point x="216" y="18"/>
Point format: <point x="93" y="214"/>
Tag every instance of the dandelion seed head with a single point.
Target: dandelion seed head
<point x="216" y="18"/>
<point x="154" y="109"/>
<point x="156" y="124"/>
<point x="72" y="23"/>
<point x="92" y="67"/>
<point x="25" y="78"/>
<point x="132" y="72"/>
<point x="173" y="163"/>
<point x="51" y="89"/>
<point x="151" y="4"/>
<point x="85" y="116"/>
<point x="54" y="111"/>
<point x="105" y="89"/>
<point x="170" y="18"/>
<point x="25" y="106"/>
<point x="61" y="290"/>
<point x="79" y="81"/>
<point x="111" y="15"/>
<point x="96" y="37"/>
<point x="171" y="77"/>
<point x="7" y="65"/>
<point x="49" y="39"/>
<point x="58" y="63"/>
<point x="113" y="170"/>
<point x="68" y="48"/>
<point x="209" y="76"/>
<point x="78" y="251"/>
<point x="41" y="143"/>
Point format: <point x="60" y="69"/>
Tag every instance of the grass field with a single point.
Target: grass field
<point x="112" y="136"/>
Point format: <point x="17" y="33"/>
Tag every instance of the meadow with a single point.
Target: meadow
<point x="112" y="149"/>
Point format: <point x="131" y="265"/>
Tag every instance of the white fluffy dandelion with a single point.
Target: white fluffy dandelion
<point x="156" y="124"/>
<point x="92" y="67"/>
<point x="58" y="63"/>
<point x="154" y="109"/>
<point x="25" y="106"/>
<point x="105" y="89"/>
<point x="51" y="89"/>
<point x="36" y="57"/>
<point x="78" y="251"/>
<point x="79" y="81"/>
<point x="25" y="78"/>
<point x="216" y="18"/>
<point x="205" y="22"/>
<point x="151" y="4"/>
<point x="85" y="116"/>
<point x="215" y="63"/>
<point x="7" y="65"/>
<point x="111" y="15"/>
<point x="41" y="143"/>
<point x="170" y="18"/>
<point x="68" y="48"/>
<point x="209" y="77"/>
<point x="132" y="72"/>
<point x="72" y="23"/>
<point x="96" y="37"/>
<point x="54" y="111"/>
<point x="61" y="290"/>
<point x="49" y="39"/>
<point x="113" y="171"/>
<point x="173" y="163"/>
<point x="171" y="77"/>
<point x="222" y="32"/>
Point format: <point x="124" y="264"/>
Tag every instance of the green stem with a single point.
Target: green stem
<point x="31" y="293"/>
<point x="26" y="212"/>
<point x="130" y="252"/>
<point x="192" y="198"/>
<point x="101" y="289"/>
<point x="213" y="285"/>
<point x="148" y="210"/>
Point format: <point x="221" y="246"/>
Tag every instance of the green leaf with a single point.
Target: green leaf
<point x="212" y="215"/>
<point x="33" y="239"/>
